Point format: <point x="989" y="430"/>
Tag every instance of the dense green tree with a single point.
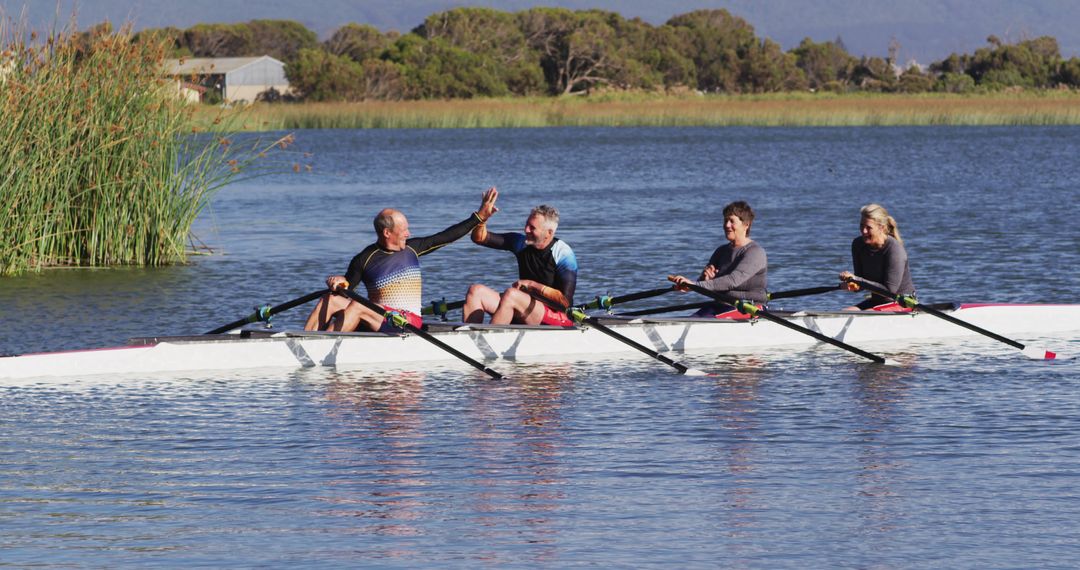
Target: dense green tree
<point x="217" y="40"/>
<point x="436" y="69"/>
<point x="577" y="49"/>
<point x="316" y="75"/>
<point x="717" y="43"/>
<point x="496" y="39"/>
<point x="825" y="64"/>
<point x="358" y="42"/>
<point x="280" y="39"/>
<point x="767" y="69"/>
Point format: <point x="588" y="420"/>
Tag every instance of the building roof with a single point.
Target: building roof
<point x="212" y="65"/>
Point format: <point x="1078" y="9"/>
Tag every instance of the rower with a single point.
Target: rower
<point x="547" y="268"/>
<point x="390" y="270"/>
<point x="880" y="259"/>
<point x="738" y="268"/>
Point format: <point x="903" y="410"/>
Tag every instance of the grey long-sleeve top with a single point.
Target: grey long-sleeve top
<point x="887" y="267"/>
<point x="740" y="272"/>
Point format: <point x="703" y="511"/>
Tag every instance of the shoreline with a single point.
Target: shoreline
<point x="637" y="110"/>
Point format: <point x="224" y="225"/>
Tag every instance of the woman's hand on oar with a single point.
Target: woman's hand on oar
<point x="754" y="311"/>
<point x="579" y="316"/>
<point x="405" y="324"/>
<point x="909" y="301"/>
<point x="263" y="313"/>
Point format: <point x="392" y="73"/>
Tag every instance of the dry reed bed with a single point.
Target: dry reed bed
<point x="790" y="110"/>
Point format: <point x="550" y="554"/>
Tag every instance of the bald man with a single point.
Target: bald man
<point x="390" y="270"/>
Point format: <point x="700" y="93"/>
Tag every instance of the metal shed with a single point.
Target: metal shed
<point x="236" y="79"/>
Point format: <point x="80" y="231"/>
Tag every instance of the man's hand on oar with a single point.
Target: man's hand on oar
<point x="908" y="301"/>
<point x="579" y="316"/>
<point x="401" y="322"/>
<point x="263" y="313"/>
<point x="683" y="283"/>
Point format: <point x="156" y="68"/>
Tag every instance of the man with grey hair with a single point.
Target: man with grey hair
<point x="547" y="268"/>
<point x="390" y="271"/>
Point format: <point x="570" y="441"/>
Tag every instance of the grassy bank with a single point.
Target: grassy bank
<point x="804" y="109"/>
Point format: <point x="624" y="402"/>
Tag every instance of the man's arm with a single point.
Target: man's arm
<point x="425" y="245"/>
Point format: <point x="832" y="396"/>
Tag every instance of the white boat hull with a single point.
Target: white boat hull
<point x="486" y="343"/>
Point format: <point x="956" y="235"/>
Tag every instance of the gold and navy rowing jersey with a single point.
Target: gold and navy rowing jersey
<point x="392" y="278"/>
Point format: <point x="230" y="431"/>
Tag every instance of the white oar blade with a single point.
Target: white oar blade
<point x="1038" y="353"/>
<point x="890" y="362"/>
<point x="695" y="372"/>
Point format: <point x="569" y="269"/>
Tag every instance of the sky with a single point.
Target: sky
<point x="926" y="30"/>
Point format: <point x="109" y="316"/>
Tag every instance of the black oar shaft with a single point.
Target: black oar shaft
<point x="260" y="315"/>
<point x="803" y="292"/>
<point x="905" y="301"/>
<point x="668" y="309"/>
<point x="580" y="316"/>
<point x="591" y="321"/>
<point x="762" y="313"/>
<point x="639" y="296"/>
<point x="422" y="334"/>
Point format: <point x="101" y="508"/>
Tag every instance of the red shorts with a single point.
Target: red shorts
<point x="555" y="318"/>
<point x="388" y="325"/>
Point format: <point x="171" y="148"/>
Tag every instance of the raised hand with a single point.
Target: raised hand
<point x="487" y="204"/>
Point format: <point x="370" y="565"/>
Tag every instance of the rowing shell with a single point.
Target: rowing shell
<point x="268" y="348"/>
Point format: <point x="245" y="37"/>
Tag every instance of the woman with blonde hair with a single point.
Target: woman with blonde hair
<point x="879" y="258"/>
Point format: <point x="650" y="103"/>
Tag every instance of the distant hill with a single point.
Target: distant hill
<point x="926" y="30"/>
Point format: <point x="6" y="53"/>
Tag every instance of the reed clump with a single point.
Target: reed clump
<point x="99" y="164"/>
<point x="635" y="109"/>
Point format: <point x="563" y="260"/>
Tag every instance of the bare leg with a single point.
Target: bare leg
<point x="356" y="314"/>
<point x="517" y="305"/>
<point x="327" y="310"/>
<point x="479" y="300"/>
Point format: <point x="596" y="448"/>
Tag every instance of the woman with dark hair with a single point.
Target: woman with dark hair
<point x="738" y="267"/>
<point x="879" y="258"/>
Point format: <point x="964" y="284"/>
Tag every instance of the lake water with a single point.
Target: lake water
<point x="967" y="455"/>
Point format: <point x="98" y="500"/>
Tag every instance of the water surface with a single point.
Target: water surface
<point x="964" y="456"/>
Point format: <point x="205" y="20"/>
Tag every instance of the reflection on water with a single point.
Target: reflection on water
<point x="736" y="413"/>
<point x="879" y="395"/>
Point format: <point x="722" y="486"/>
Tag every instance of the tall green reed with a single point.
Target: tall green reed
<point x="100" y="165"/>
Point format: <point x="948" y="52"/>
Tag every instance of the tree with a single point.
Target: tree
<point x="578" y="49"/>
<point x="316" y="75"/>
<point x="217" y="40"/>
<point x="358" y="42"/>
<point x="281" y="39"/>
<point x="717" y="42"/>
<point x="824" y="63"/>
<point x="495" y="37"/>
<point x="436" y="69"/>
<point x="767" y="68"/>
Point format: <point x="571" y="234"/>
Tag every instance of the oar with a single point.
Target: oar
<point x="263" y="313"/>
<point x="804" y="292"/>
<point x="441" y="307"/>
<point x="605" y="302"/>
<point x="668" y="309"/>
<point x="688" y="306"/>
<point x="579" y="316"/>
<point x="1032" y="352"/>
<point x="754" y="311"/>
<point x="402" y="322"/>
